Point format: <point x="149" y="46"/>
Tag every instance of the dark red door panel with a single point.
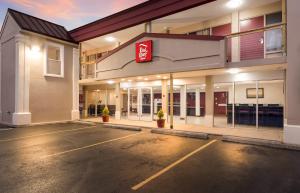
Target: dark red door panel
<point x="220" y="100"/>
<point x="252" y="45"/>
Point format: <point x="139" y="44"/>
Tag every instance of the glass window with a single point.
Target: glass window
<point x="274" y="18"/>
<point x="54" y="63"/>
<point x="274" y="36"/>
<point x="201" y="32"/>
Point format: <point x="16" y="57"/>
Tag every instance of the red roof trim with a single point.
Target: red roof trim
<point x="161" y="35"/>
<point x="147" y="11"/>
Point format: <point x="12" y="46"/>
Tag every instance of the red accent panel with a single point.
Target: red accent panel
<point x="202" y="103"/>
<point x="251" y="46"/>
<point x="143" y="51"/>
<point x="144" y="12"/>
<point x="220" y="103"/>
<point x="224" y="30"/>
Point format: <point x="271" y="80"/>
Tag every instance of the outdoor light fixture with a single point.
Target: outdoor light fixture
<point x="139" y="78"/>
<point x="110" y="81"/>
<point x="110" y="39"/>
<point x="146" y="79"/>
<point x="233" y="71"/>
<point x="123" y="79"/>
<point x="158" y="76"/>
<point x="165" y="77"/>
<point x="233" y="4"/>
<point x="35" y="51"/>
<point x="129" y="80"/>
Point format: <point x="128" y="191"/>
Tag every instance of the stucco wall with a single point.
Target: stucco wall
<point x="293" y="50"/>
<point x="7" y="65"/>
<point x="273" y="93"/>
<point x="169" y="55"/>
<point x="50" y="98"/>
<point x="7" y="80"/>
<point x="243" y="14"/>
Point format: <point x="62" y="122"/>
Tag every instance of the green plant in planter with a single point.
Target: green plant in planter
<point x="160" y="114"/>
<point x="160" y="121"/>
<point x="105" y="111"/>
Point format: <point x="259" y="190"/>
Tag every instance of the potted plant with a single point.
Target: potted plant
<point x="105" y="114"/>
<point x="160" y="120"/>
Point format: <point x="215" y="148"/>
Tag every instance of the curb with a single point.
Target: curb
<point x="260" y="142"/>
<point x="180" y="133"/>
<point x="125" y="127"/>
<point x="83" y="122"/>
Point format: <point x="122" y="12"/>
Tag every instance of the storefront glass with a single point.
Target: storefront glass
<point x="271" y="104"/>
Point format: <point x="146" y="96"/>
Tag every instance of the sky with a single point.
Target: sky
<point x="68" y="13"/>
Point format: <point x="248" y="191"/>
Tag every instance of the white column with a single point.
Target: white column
<point x="85" y="111"/>
<point x="21" y="116"/>
<point x="209" y="102"/>
<point x="118" y="101"/>
<point x="197" y="102"/>
<point x="148" y="27"/>
<point x="183" y="102"/>
<point x="164" y="97"/>
<point x="292" y="126"/>
<point x="171" y="102"/>
<point x="75" y="104"/>
<point x="233" y="105"/>
<point x="106" y="97"/>
<point x="235" y="42"/>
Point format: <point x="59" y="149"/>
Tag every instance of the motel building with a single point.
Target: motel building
<point x="223" y="67"/>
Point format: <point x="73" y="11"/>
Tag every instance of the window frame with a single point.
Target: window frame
<point x="62" y="62"/>
<point x="265" y="34"/>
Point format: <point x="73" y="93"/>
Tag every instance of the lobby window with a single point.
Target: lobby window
<point x="274" y="36"/>
<point x="54" y="60"/>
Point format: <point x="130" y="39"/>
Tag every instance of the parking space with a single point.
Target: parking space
<point x="85" y="158"/>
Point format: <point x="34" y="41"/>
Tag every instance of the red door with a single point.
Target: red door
<point x="202" y="104"/>
<point x="224" y="30"/>
<point x="220" y="99"/>
<point x="252" y="45"/>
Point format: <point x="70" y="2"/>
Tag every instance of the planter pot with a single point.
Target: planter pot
<point x="161" y="123"/>
<point x="105" y="119"/>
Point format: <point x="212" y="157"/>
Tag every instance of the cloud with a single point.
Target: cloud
<point x="71" y="13"/>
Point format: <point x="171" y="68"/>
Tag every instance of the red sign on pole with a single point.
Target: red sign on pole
<point x="143" y="51"/>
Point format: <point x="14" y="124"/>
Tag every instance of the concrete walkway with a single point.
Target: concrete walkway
<point x="266" y="134"/>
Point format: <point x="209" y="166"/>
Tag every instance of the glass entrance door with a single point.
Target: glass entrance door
<point x="146" y="104"/>
<point x="140" y="104"/>
<point x="133" y="104"/>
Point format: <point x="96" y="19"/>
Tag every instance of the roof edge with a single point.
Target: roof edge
<point x="141" y="13"/>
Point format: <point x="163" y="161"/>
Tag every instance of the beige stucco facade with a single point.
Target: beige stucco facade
<point x="28" y="96"/>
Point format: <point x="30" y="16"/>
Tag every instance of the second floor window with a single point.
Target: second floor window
<point x="54" y="60"/>
<point x="274" y="36"/>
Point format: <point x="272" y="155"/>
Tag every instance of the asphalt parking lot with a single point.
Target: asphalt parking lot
<point x="85" y="158"/>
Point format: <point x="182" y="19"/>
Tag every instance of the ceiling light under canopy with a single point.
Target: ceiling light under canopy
<point x="233" y="4"/>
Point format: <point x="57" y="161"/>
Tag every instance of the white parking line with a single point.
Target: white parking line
<point x="48" y="133"/>
<point x="92" y="145"/>
<point x="161" y="172"/>
<point x="6" y="129"/>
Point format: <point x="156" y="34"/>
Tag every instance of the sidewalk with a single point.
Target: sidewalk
<point x="265" y="134"/>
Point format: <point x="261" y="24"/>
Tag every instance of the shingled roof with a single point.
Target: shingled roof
<point x="40" y="26"/>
